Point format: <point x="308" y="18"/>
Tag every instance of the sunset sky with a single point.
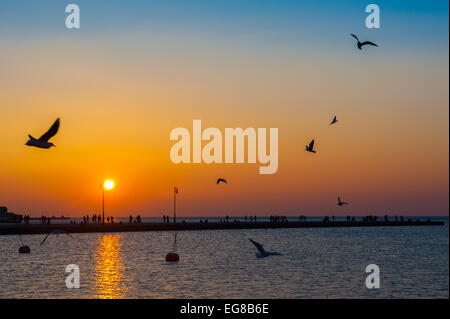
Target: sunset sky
<point x="135" y="70"/>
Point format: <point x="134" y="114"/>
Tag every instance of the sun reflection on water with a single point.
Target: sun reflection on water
<point x="109" y="279"/>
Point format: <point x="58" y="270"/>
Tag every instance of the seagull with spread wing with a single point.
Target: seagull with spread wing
<point x="56" y="232"/>
<point x="361" y="44"/>
<point x="310" y="147"/>
<point x="262" y="252"/>
<point x="333" y="121"/>
<point x="43" y="142"/>
<point x="341" y="203"/>
<point x="221" y="180"/>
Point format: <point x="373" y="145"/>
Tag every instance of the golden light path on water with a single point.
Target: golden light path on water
<point x="109" y="283"/>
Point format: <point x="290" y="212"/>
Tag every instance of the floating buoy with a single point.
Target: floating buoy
<point x="24" y="250"/>
<point x="172" y="257"/>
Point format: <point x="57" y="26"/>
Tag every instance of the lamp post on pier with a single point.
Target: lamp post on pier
<point x="108" y="184"/>
<point x="175" y="192"/>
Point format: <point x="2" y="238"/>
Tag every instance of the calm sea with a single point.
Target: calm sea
<point x="315" y="263"/>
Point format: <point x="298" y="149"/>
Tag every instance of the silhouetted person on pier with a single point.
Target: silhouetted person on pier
<point x="131" y="219"/>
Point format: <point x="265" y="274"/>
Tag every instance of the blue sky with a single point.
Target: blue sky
<point x="404" y="23"/>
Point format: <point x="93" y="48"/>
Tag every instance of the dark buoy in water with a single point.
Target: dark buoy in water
<point x="24" y="250"/>
<point x="173" y="256"/>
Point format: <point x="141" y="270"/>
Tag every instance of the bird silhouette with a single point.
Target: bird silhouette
<point x="221" y="180"/>
<point x="43" y="142"/>
<point x="333" y="121"/>
<point x="310" y="147"/>
<point x="341" y="203"/>
<point x="56" y="232"/>
<point x="262" y="252"/>
<point x="361" y="44"/>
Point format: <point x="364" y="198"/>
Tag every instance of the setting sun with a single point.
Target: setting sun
<point x="109" y="184"/>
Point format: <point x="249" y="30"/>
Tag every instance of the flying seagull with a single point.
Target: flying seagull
<point x="262" y="253"/>
<point x="221" y="180"/>
<point x="359" y="44"/>
<point x="333" y="121"/>
<point x="43" y="142"/>
<point x="56" y="232"/>
<point x="341" y="203"/>
<point x="310" y="147"/>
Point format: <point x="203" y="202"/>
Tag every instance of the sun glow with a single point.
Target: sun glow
<point x="109" y="184"/>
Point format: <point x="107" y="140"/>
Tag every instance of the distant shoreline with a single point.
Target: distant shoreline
<point x="22" y="229"/>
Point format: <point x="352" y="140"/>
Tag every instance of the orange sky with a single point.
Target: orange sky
<point x="388" y="153"/>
